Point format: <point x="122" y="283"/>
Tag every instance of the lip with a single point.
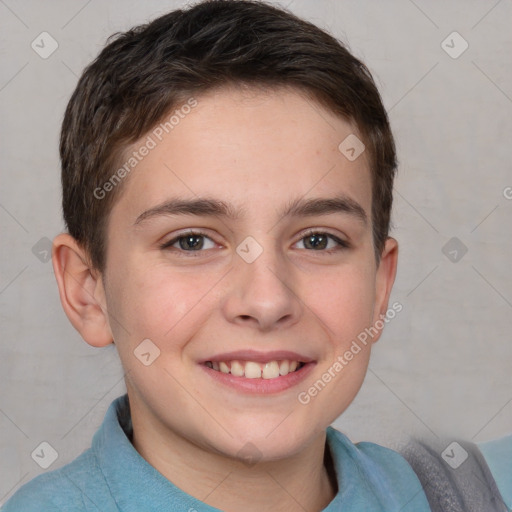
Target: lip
<point x="259" y="386"/>
<point x="258" y="357"/>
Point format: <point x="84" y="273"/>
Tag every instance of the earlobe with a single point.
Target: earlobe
<point x="385" y="277"/>
<point x="81" y="291"/>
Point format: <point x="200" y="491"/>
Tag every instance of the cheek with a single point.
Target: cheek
<point x="156" y="303"/>
<point x="344" y="302"/>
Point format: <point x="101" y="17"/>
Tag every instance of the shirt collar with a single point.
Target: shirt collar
<point x="135" y="485"/>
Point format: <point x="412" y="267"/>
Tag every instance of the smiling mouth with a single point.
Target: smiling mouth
<point x="254" y="370"/>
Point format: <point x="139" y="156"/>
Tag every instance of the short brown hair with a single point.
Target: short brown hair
<point x="145" y="72"/>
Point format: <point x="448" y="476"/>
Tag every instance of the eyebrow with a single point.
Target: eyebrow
<point x="216" y="208"/>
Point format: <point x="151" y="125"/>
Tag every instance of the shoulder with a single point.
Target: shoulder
<point x="76" y="486"/>
<point x="498" y="455"/>
<point x="379" y="472"/>
<point x="373" y="458"/>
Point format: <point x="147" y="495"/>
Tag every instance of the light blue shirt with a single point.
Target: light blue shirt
<point x="498" y="455"/>
<point x="111" y="476"/>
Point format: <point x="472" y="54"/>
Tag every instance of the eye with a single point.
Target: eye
<point x="323" y="242"/>
<point x="196" y="241"/>
<point x="189" y="242"/>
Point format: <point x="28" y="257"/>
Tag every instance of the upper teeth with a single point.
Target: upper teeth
<point x="252" y="370"/>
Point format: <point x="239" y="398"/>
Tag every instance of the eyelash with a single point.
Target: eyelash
<point x="341" y="243"/>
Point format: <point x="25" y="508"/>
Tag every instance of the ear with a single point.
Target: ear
<point x="385" y="277"/>
<point x="81" y="291"/>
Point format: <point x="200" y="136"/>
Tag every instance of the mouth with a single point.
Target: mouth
<point x="256" y="370"/>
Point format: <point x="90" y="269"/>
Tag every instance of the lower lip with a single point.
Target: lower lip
<point x="260" y="386"/>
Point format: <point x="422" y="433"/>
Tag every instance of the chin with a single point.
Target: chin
<point x="264" y="445"/>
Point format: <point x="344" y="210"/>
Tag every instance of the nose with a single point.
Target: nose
<point x="262" y="293"/>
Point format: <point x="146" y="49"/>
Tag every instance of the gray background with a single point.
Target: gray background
<point x="442" y="367"/>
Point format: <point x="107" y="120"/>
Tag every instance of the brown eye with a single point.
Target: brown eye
<point x="317" y="241"/>
<point x="323" y="242"/>
<point x="189" y="242"/>
<point x="194" y="242"/>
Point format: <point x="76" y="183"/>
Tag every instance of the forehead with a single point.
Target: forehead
<point x="245" y="146"/>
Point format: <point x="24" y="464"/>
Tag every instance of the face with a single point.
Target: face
<point x="241" y="247"/>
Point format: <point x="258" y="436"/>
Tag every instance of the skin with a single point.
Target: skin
<point x="257" y="151"/>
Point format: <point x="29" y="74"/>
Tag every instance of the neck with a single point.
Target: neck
<point x="303" y="481"/>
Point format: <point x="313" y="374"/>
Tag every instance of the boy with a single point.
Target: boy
<point x="227" y="177"/>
